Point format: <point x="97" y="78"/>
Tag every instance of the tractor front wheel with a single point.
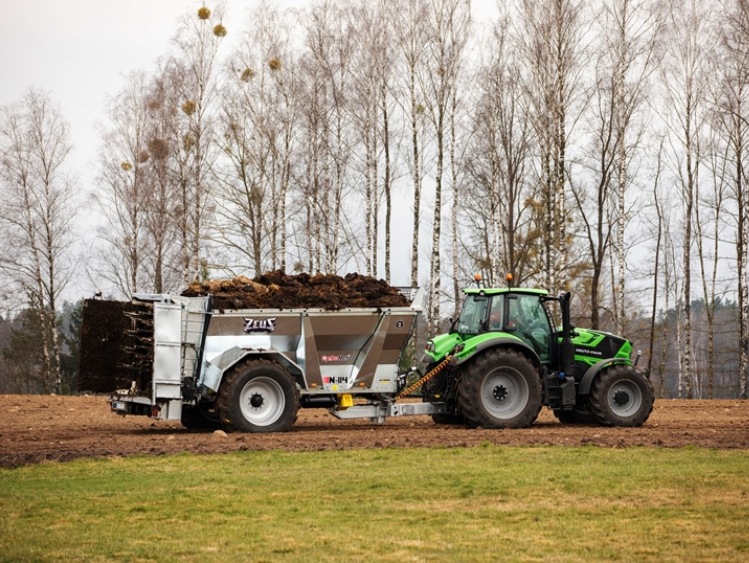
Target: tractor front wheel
<point x="500" y="389"/>
<point x="258" y="396"/>
<point x="621" y="396"/>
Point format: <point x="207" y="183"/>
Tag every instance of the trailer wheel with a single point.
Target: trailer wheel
<point x="621" y="396"/>
<point x="259" y="396"/>
<point x="500" y="389"/>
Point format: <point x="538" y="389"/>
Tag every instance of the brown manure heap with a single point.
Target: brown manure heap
<point x="277" y="290"/>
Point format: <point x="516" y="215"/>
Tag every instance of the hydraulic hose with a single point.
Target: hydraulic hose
<point x="429" y="375"/>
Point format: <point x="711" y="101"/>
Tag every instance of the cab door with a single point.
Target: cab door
<point x="526" y="318"/>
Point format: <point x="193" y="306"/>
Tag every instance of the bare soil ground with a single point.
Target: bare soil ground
<point x="37" y="428"/>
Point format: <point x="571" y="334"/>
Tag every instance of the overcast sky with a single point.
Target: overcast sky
<point x="79" y="51"/>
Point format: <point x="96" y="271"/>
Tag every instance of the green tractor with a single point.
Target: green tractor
<point x="503" y="359"/>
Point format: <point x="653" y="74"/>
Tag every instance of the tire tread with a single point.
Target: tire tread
<point x="469" y="395"/>
<point x="229" y="388"/>
<point x="598" y="391"/>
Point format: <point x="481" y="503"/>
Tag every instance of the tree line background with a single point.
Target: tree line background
<point x="597" y="147"/>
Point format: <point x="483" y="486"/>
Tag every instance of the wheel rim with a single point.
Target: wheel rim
<point x="262" y="401"/>
<point x="505" y="394"/>
<point x="624" y="398"/>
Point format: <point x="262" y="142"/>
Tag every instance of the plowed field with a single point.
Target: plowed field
<point x="37" y="428"/>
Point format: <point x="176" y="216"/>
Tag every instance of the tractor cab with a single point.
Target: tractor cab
<point x="515" y="313"/>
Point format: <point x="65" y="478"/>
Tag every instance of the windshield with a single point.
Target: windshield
<point x="473" y="314"/>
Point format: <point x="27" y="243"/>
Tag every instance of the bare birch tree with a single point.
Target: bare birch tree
<point x="549" y="35"/>
<point x="455" y="116"/>
<point x="326" y="71"/>
<point x="136" y="172"/>
<point x="385" y="97"/>
<point x="656" y="273"/>
<point x="125" y="179"/>
<point x="36" y="216"/>
<point x="685" y="80"/>
<point x="162" y="107"/>
<point x="709" y="222"/>
<point x="412" y="38"/>
<point x="447" y="33"/>
<point x="624" y="64"/>
<point x="369" y="111"/>
<point x="257" y="120"/>
<point x="732" y="115"/>
<point x="502" y="237"/>
<point x="195" y="75"/>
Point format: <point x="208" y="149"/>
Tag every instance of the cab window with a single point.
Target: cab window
<point x="473" y="314"/>
<point x="496" y="313"/>
<point x="527" y="319"/>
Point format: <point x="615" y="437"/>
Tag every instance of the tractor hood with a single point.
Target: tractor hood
<point x="592" y="346"/>
<point x="440" y="346"/>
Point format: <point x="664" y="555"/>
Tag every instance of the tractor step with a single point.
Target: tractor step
<point x="560" y="393"/>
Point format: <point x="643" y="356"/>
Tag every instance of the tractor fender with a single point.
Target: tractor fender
<point x="215" y="369"/>
<point x="499" y="341"/>
<point x="593" y="371"/>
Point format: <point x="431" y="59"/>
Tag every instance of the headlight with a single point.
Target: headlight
<point x="430" y="346"/>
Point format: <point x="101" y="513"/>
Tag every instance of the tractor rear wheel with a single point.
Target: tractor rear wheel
<point x="500" y="389"/>
<point x="621" y="396"/>
<point x="258" y="396"/>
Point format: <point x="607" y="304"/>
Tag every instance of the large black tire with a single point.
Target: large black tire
<point x="258" y="396"/>
<point x="621" y="396"/>
<point x="500" y="389"/>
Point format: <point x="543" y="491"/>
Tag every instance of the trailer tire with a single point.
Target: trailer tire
<point x="621" y="396"/>
<point x="258" y="396"/>
<point x="500" y="389"/>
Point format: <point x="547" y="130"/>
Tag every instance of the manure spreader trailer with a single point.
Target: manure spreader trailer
<point x="179" y="358"/>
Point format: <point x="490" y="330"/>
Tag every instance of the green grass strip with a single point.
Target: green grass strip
<point x="485" y="503"/>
